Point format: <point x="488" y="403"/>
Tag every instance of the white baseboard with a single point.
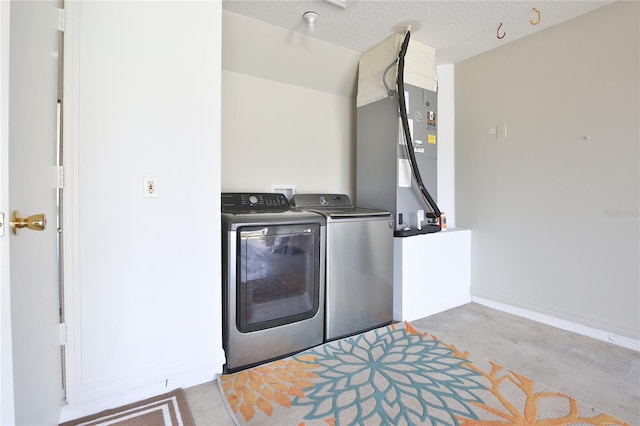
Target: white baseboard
<point x="127" y="388"/>
<point x="604" y="336"/>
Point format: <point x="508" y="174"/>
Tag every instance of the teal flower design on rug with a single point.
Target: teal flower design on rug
<point x="392" y="375"/>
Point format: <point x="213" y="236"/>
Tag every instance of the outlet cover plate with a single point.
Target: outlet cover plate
<point x="150" y="187"/>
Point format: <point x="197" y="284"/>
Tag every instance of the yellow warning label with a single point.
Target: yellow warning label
<point x="432" y="139"/>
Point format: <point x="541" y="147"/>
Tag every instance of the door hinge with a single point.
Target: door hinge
<point x="61" y="20"/>
<point x="1" y="224"/>
<point x="63" y="334"/>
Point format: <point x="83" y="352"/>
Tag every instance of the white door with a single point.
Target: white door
<point x="35" y="308"/>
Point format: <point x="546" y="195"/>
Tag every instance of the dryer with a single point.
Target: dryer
<point x="273" y="278"/>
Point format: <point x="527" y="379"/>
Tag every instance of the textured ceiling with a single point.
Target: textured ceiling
<point x="456" y="29"/>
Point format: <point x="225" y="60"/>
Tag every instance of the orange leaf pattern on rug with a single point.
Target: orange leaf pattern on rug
<point x="530" y="415"/>
<point x="260" y="387"/>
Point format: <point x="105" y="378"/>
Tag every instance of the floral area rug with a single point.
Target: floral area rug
<point x="395" y="375"/>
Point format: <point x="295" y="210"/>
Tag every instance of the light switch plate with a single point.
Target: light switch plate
<point x="501" y="131"/>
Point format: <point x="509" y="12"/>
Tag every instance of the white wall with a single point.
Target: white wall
<point x="277" y="133"/>
<point x="446" y="142"/>
<point x="148" y="314"/>
<point x="263" y="50"/>
<point x="288" y="110"/>
<point x="554" y="216"/>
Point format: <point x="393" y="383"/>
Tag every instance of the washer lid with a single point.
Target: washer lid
<point x="355" y="212"/>
<point x="333" y="205"/>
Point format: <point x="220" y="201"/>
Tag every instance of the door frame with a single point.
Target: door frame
<point x="71" y="266"/>
<point x="7" y="408"/>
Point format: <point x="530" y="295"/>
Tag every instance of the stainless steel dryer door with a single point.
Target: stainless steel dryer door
<point x="278" y="278"/>
<point x="274" y="289"/>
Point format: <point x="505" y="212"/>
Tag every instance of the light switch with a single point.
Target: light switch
<point x="501" y="131"/>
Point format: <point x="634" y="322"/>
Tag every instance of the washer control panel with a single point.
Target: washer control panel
<point x="321" y="200"/>
<point x="253" y="202"/>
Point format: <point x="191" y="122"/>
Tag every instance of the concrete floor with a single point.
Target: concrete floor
<point x="600" y="374"/>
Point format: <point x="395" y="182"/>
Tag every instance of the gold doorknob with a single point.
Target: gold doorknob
<point x="36" y="222"/>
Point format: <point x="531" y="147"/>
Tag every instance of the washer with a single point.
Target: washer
<point x="273" y="278"/>
<point x="359" y="263"/>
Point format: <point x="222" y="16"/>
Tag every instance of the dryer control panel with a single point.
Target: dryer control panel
<point x="253" y="202"/>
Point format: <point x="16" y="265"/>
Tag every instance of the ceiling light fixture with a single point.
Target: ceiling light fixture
<point x="310" y="17"/>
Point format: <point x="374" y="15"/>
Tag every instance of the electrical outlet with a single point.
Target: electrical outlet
<point x="150" y="187"/>
<point x="287" y="189"/>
